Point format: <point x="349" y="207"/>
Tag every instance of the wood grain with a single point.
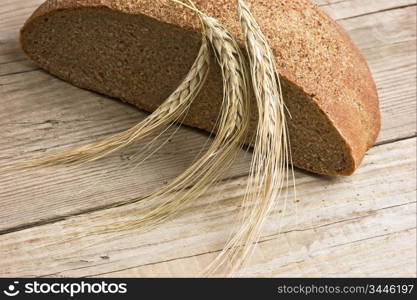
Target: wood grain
<point x="360" y="258"/>
<point x="356" y="226"/>
<point x="41" y="113"/>
<point x="344" y="9"/>
<point x="359" y="226"/>
<point x="388" y="41"/>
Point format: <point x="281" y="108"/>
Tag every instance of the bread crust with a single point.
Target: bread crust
<point x="311" y="50"/>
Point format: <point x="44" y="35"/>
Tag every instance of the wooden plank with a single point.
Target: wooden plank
<point x="36" y="195"/>
<point x="343" y="9"/>
<point x="12" y="16"/>
<point x="388" y="41"/>
<point x="41" y="113"/>
<point x="358" y="226"/>
<point x="361" y="257"/>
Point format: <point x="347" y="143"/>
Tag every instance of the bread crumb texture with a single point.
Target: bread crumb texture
<point x="140" y="50"/>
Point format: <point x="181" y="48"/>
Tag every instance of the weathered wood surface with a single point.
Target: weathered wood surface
<point x="346" y="226"/>
<point x="363" y="226"/>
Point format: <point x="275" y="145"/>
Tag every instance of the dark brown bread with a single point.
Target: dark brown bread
<point x="139" y="51"/>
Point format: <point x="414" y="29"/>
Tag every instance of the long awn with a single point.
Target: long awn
<point x="271" y="155"/>
<point x="169" y="111"/>
<point x="231" y="132"/>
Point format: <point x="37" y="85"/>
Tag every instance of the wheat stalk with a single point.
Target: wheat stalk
<point x="271" y="156"/>
<point x="269" y="166"/>
<point x="170" y="110"/>
<point x="232" y="128"/>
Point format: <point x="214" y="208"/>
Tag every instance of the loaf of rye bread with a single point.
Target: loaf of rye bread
<point x="140" y="50"/>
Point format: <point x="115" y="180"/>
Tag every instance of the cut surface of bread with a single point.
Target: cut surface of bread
<point x="140" y="50"/>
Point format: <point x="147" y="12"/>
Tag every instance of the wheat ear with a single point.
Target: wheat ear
<point x="271" y="156"/>
<point x="231" y="132"/>
<point x="170" y="110"/>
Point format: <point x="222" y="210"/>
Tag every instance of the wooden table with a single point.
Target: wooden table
<point x="363" y="225"/>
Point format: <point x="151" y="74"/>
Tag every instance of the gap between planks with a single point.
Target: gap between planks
<point x="129" y="202"/>
<point x="384" y="142"/>
<point x="364" y="208"/>
<point x="101" y="206"/>
<point x="332" y="8"/>
<point x="378" y="11"/>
